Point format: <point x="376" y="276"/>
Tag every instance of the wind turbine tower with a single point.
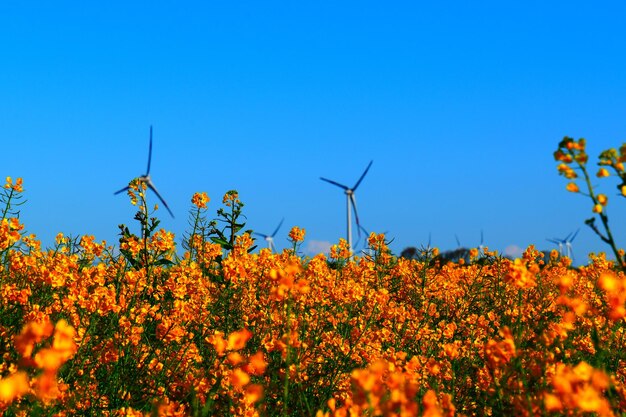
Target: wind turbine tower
<point x="481" y="247"/>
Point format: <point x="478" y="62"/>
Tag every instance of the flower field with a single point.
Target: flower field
<point x="217" y="329"/>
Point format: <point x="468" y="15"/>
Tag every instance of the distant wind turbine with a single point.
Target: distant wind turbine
<point x="557" y="242"/>
<point x="350" y="203"/>
<point x="481" y="247"/>
<point x="270" y="238"/>
<point x="147" y="180"/>
<point x="566" y="244"/>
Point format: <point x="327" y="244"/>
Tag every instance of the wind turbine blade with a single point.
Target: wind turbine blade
<point x="574" y="236"/>
<point x="365" y="232"/>
<point x="121" y="191"/>
<point x="362" y="176"/>
<point x="151" y="186"/>
<point x="278" y="227"/>
<point x="458" y="242"/>
<point x="334" y="183"/>
<point x="482" y="240"/>
<point x="150" y="153"/>
<point x="260" y="234"/>
<point x="429" y="236"/>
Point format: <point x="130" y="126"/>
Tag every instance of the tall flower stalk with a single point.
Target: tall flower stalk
<point x="573" y="158"/>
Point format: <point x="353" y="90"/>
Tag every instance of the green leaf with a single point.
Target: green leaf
<point x="164" y="261"/>
<point x="220" y="241"/>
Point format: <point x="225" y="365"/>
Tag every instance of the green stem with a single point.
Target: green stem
<point x="605" y="220"/>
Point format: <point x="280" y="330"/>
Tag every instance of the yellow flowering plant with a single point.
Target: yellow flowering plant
<point x="230" y="217"/>
<point x="11" y="197"/>
<point x="572" y="156"/>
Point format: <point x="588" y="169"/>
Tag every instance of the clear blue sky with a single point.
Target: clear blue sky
<point x="459" y="104"/>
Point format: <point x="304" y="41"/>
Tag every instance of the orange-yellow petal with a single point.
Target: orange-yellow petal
<point x="602" y="172"/>
<point x="13" y="386"/>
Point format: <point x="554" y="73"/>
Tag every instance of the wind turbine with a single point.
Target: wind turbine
<point x="365" y="232"/>
<point x="481" y="247"/>
<point x="270" y="238"/>
<point x="350" y="203"/>
<point x="558" y="242"/>
<point x="365" y="247"/>
<point x="566" y="242"/>
<point x="147" y="180"/>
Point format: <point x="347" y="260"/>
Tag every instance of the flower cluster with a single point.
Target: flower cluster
<point x="47" y="359"/>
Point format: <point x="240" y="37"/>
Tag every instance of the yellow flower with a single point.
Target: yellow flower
<point x="562" y="156"/>
<point x="16" y="187"/>
<point x="200" y="200"/>
<point x="572" y="187"/>
<point x="237" y="340"/>
<point x="603" y="172"/>
<point x="256" y="364"/>
<point x="603" y="199"/>
<point x="239" y="378"/>
<point x="341" y="250"/>
<point x="520" y="276"/>
<point x="589" y="400"/>
<point x="34" y="332"/>
<point x="552" y="403"/>
<point x="13" y="386"/>
<point x="47" y="386"/>
<point x="296" y="234"/>
<point x="231" y="198"/>
<point x="49" y="359"/>
<point x="597" y="208"/>
<point x="431" y="407"/>
<point x="609" y="282"/>
<point x="234" y="358"/>
<point x="218" y="342"/>
<point x="562" y="168"/>
<point x="582" y="158"/>
<point x="254" y="392"/>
